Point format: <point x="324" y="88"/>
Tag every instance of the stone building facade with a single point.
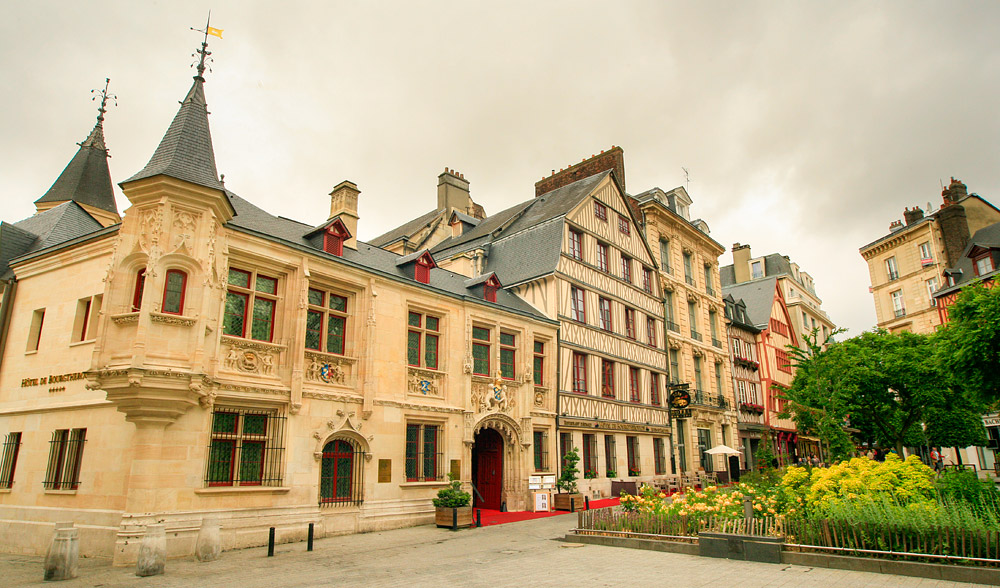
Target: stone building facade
<point x="694" y="315"/>
<point x="206" y="358"/>
<point x="751" y="406"/>
<point x="907" y="265"/>
<point x="576" y="253"/>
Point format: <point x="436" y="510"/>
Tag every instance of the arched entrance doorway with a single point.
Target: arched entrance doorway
<point x="487" y="469"/>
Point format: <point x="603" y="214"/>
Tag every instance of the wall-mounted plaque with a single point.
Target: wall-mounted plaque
<point x="384" y="471"/>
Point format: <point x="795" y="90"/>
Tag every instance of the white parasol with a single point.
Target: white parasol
<point x="723" y="450"/>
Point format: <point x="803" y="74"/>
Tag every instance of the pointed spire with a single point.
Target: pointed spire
<point x="86" y="179"/>
<point x="186" y="152"/>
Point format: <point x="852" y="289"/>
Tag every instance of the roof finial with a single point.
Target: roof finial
<point x="203" y="53"/>
<point x="104" y="100"/>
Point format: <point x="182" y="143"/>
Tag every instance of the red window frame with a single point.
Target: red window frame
<point x="166" y="290"/>
<point x="489" y="292"/>
<point x="539" y="363"/>
<point x="251" y="294"/>
<point x="600" y="211"/>
<point x="578" y="301"/>
<point x="607" y="378"/>
<point x="140" y="285"/>
<point x="337" y="450"/>
<point x="86" y="320"/>
<point x="483" y="344"/>
<point x="579" y="373"/>
<point x="589" y="453"/>
<point x="604" y="314"/>
<point x="623" y="225"/>
<point x="633" y="384"/>
<point x="651" y="331"/>
<point x="602" y="257"/>
<point x="630" y="323"/>
<point x="576" y="245"/>
<point x="659" y="459"/>
<point x="654" y="389"/>
<point x="647" y="280"/>
<point x="627" y="268"/>
<point x="508" y="348"/>
<point x="632" y="448"/>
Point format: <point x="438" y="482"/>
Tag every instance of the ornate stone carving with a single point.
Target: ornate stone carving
<point x="540" y="394"/>
<point x="424" y="407"/>
<point x="150" y="224"/>
<point x="332" y="396"/>
<point x="125" y="319"/>
<point x="425" y="382"/>
<point x="493" y="396"/>
<point x="674" y="343"/>
<point x="502" y="423"/>
<point x="325" y="368"/>
<point x="170" y="319"/>
<point x="184" y="226"/>
<point x="349" y="428"/>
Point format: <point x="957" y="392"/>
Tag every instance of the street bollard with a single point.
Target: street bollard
<point x="62" y="558"/>
<point x="270" y="543"/>
<point x="586" y="502"/>
<point x="152" y="551"/>
<point x="572" y="504"/>
<point x="454" y="519"/>
<point x="309" y="543"/>
<point x="479" y="518"/>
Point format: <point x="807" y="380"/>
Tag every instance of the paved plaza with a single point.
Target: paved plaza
<point x="525" y="554"/>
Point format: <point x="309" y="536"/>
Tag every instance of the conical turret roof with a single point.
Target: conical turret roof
<point x="86" y="179"/>
<point x="185" y="152"/>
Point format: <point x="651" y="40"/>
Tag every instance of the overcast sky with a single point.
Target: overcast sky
<point x="806" y="127"/>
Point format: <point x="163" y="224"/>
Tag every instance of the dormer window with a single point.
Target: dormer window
<point x="984" y="265"/>
<point x="334" y="236"/>
<point x="489" y="293"/>
<point x="489" y="283"/>
<point x="422" y="272"/>
<point x="422" y="262"/>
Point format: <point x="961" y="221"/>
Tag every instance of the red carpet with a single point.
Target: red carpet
<point x="495" y="517"/>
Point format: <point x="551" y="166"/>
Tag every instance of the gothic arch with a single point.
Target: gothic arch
<point x="503" y="424"/>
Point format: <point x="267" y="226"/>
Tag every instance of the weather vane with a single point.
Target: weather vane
<point x="203" y="53"/>
<point x="104" y="99"/>
<point x="687" y="179"/>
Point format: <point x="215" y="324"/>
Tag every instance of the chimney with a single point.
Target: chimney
<point x="344" y="203"/>
<point x="895" y="226"/>
<point x="453" y="191"/>
<point x="741" y="263"/>
<point x="912" y="216"/>
<point x="955" y="191"/>
<point x="612" y="159"/>
<point x="954" y="231"/>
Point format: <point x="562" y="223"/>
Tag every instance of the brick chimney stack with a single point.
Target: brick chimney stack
<point x="912" y="216"/>
<point x="955" y="191"/>
<point x="895" y="226"/>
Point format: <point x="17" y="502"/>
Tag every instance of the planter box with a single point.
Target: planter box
<point x="567" y="501"/>
<point x="446" y="517"/>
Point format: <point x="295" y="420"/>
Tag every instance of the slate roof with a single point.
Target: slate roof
<point x="251" y="219"/>
<point x="758" y="295"/>
<point x="775" y="264"/>
<point x="736" y="311"/>
<point x="987" y="237"/>
<point x="52" y="227"/>
<point x="86" y="178"/>
<point x="185" y="152"/>
<point x="525" y="240"/>
<point x="406" y="229"/>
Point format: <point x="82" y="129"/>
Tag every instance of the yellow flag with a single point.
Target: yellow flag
<point x="215" y="32"/>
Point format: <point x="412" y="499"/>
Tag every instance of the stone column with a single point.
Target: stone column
<point x="62" y="559"/>
<point x="152" y="551"/>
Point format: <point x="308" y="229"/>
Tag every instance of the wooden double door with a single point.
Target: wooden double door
<point x="487" y="469"/>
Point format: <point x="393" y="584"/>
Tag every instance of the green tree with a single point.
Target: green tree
<point x="886" y="383"/>
<point x="970" y="349"/>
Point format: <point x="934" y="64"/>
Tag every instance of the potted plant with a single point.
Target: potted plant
<point x="612" y="474"/>
<point x="452" y="506"/>
<point x="568" y="498"/>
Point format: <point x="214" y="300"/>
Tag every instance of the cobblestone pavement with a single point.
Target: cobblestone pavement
<point x="525" y="554"/>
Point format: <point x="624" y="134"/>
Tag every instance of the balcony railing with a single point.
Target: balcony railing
<point x="689" y="280"/>
<point x="716" y="343"/>
<point x="710" y="290"/>
<point x="696" y="335"/>
<point x="673" y="326"/>
<point x="704" y="398"/>
<point x="900" y="312"/>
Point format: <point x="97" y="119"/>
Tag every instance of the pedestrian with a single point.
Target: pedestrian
<point x="936" y="459"/>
